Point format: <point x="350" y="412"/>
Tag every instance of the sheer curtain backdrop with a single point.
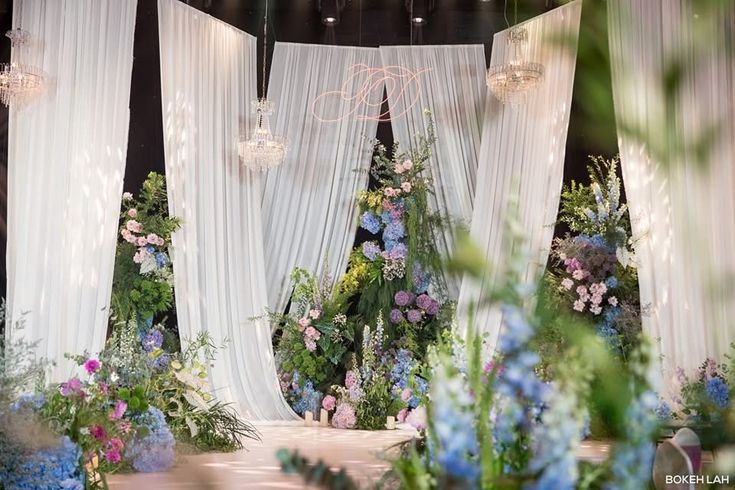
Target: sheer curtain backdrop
<point x="450" y="82"/>
<point x="208" y="80"/>
<point x="522" y="159"/>
<point x="682" y="208"/>
<point x="327" y="104"/>
<point x="66" y="161"/>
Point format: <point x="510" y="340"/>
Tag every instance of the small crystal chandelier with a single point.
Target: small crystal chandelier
<point x="512" y="82"/>
<point x="262" y="151"/>
<point x="18" y="82"/>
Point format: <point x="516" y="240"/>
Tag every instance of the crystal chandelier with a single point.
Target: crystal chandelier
<point x="262" y="151"/>
<point x="18" y="82"/>
<point x="512" y="82"/>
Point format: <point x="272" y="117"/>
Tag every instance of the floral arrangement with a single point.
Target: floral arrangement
<point x="152" y="449"/>
<point x="591" y="273"/>
<point x="394" y="275"/>
<point x="143" y="278"/>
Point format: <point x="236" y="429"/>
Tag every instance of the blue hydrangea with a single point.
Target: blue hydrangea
<point x="663" y="411"/>
<point x="161" y="259"/>
<point x="161" y="362"/>
<point x="306" y="397"/>
<point x="718" y="392"/>
<point x="370" y="222"/>
<point x="371" y="250"/>
<point x="28" y="401"/>
<point x="47" y="469"/>
<point x="152" y="450"/>
<point x="390" y="245"/>
<point x="611" y="282"/>
<point x="394" y="231"/>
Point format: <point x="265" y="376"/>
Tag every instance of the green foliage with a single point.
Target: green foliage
<point x="142" y="290"/>
<point x="318" y="475"/>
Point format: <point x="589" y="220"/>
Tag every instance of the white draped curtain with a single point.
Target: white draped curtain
<point x="682" y="208"/>
<point x="327" y="105"/>
<point x="450" y="82"/>
<point x="522" y="160"/>
<point x="208" y="80"/>
<point x="66" y="161"/>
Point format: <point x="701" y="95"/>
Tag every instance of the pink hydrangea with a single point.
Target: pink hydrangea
<point x="92" y="366"/>
<point x="596" y="309"/>
<point x="314" y="313"/>
<point x="344" y="417"/>
<point x="405" y="394"/>
<point x="417" y="418"/>
<point x="401" y="417"/>
<point x="579" y="274"/>
<point x="152" y="238"/>
<point x="613" y="300"/>
<point x="407" y="164"/>
<point x="596" y="299"/>
<point x="310" y="344"/>
<point x="303" y="323"/>
<point x="133" y="213"/>
<point x="406" y="186"/>
<point x="567" y="284"/>
<point x="398" y="168"/>
<point x="328" y="403"/>
<point x="140" y="255"/>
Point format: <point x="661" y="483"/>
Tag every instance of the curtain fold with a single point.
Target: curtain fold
<point x="208" y="81"/>
<point x="66" y="156"/>
<point x="450" y="82"/>
<point x="327" y="105"/>
<point x="522" y="161"/>
<point x="682" y="206"/>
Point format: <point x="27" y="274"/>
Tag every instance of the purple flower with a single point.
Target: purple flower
<point x="71" y="387"/>
<point x="152" y="341"/>
<point x="396" y="316"/>
<point x="402" y="298"/>
<point x="414" y="316"/>
<point x="423" y="301"/>
<point x="92" y="366"/>
<point x="433" y="308"/>
<point x="396" y="251"/>
<point x="371" y="250"/>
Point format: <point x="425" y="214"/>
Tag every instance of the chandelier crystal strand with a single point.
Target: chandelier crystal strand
<point x="263" y="150"/>
<point x="18" y="82"/>
<point x="512" y="82"/>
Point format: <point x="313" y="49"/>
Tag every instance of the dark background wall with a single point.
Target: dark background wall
<point x="363" y="23"/>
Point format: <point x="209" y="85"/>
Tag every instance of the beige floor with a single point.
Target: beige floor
<point x="257" y="467"/>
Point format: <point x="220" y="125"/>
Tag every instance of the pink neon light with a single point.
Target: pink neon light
<point x="361" y="86"/>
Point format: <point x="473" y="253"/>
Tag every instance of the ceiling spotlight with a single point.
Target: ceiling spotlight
<point x="419" y="10"/>
<point x="330" y="10"/>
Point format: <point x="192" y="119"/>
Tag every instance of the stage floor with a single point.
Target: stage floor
<point x="257" y="467"/>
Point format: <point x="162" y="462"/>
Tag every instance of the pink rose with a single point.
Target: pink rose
<point x="132" y="212"/>
<point x="140" y="255"/>
<point x="328" y="403"/>
<point x="407" y="164"/>
<point x="303" y="323"/>
<point x="406" y="186"/>
<point x="160" y="241"/>
<point x="134" y="226"/>
<point x="152" y="238"/>
<point x="417" y="418"/>
<point x="91" y="366"/>
<point x="141" y="241"/>
<point x="113" y="455"/>
<point x="312" y="333"/>
<point x="310" y="344"/>
<point x="613" y="300"/>
<point x="579" y="274"/>
<point x="117" y="443"/>
<point x="98" y="432"/>
<point x="579" y="305"/>
<point x="314" y="314"/>
<point x="597" y="309"/>
<point x="567" y="284"/>
<point x="398" y="168"/>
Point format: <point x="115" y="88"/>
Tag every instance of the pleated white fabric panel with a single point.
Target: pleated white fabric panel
<point x="450" y="82"/>
<point x="522" y="159"/>
<point x="309" y="212"/>
<point x="683" y="216"/>
<point x="208" y="80"/>
<point x="66" y="161"/>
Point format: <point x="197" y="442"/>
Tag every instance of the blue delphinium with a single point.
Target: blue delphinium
<point x="633" y="456"/>
<point x="663" y="411"/>
<point x="306" y="397"/>
<point x="717" y="391"/>
<point x="152" y="450"/>
<point x="58" y="467"/>
<point x="394" y="231"/>
<point x="370" y="222"/>
<point x="402" y="377"/>
<point x="453" y="427"/>
<point x="555" y="443"/>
